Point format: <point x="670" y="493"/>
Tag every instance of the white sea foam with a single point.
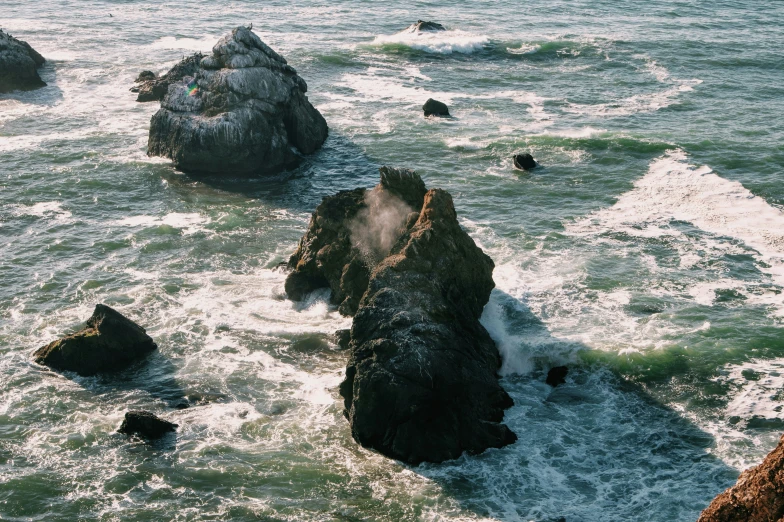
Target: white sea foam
<point x="675" y="190"/>
<point x="758" y="395"/>
<point x="189" y="223"/>
<point x="440" y="42"/>
<point x="203" y="44"/>
<point x="50" y="209"/>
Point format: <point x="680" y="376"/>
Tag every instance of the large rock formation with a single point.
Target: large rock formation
<point x="19" y="65"/>
<point x="153" y="88"/>
<point x="244" y="111"/>
<point x="758" y="496"/>
<point x="110" y="342"/>
<point x="421" y="383"/>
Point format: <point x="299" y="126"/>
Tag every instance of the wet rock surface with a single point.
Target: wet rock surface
<point x="421" y="382"/>
<point x="153" y="88"/>
<point x="524" y="162"/>
<point x="19" y="64"/>
<point x="146" y="425"/>
<point x="557" y="376"/>
<point x="435" y="108"/>
<point x="244" y="111"/>
<point x="425" y="26"/>
<point x="758" y="496"/>
<point x="109" y="342"/>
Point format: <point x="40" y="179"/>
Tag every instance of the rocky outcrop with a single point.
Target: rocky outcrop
<point x="110" y="342"/>
<point x="146" y="425"/>
<point x="421" y="383"/>
<point x="435" y="108"/>
<point x="152" y="88"/>
<point x="557" y="376"/>
<point x="19" y="65"/>
<point x="423" y="26"/>
<point x="758" y="496"/>
<point x="524" y="162"/>
<point x="340" y="244"/>
<point x="244" y="111"/>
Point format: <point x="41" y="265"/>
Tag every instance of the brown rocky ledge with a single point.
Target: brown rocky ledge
<point x="758" y="496"/>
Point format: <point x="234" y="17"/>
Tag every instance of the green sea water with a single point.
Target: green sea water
<point x="647" y="254"/>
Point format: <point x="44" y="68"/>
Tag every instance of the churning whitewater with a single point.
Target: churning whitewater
<point x="645" y="253"/>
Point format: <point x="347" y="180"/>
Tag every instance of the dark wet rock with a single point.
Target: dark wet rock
<point x="557" y="376"/>
<point x="524" y="162"/>
<point x="109" y="342"/>
<point x="342" y="338"/>
<point x="244" y="111"/>
<point x="146" y="425"/>
<point x="19" y="65"/>
<point x="327" y="258"/>
<point x="423" y="26"/>
<point x="435" y="108"/>
<point x="421" y="382"/>
<point x="758" y="496"/>
<point x="152" y="88"/>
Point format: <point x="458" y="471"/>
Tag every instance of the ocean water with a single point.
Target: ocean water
<point x="647" y="254"/>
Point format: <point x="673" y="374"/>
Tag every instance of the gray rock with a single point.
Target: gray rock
<point x="110" y="342"/>
<point x="244" y="111"/>
<point x="421" y="382"/>
<point x="19" y="65"/>
<point x="423" y="26"/>
<point x="152" y="88"/>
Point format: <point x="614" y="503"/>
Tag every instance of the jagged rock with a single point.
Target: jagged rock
<point x="327" y="257"/>
<point x="153" y="88"/>
<point x="435" y="108"/>
<point x="342" y="338"/>
<point x="19" y="65"/>
<point x="421" y="382"/>
<point x="524" y="162"/>
<point x="758" y="496"/>
<point x="557" y="376"/>
<point x="110" y="342"/>
<point x="146" y="425"/>
<point x="424" y="26"/>
<point x="244" y="111"/>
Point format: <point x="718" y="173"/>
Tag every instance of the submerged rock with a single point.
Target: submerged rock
<point x="435" y="108"/>
<point x="423" y="26"/>
<point x="19" y="65"/>
<point x="152" y="88"/>
<point x="421" y="382"/>
<point x="146" y="425"/>
<point x="758" y="496"/>
<point x="244" y="111"/>
<point x="524" y="162"/>
<point x="557" y="376"/>
<point x="110" y="342"/>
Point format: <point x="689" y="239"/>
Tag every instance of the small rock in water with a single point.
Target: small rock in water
<point x="145" y="76"/>
<point x="435" y="108"/>
<point x="422" y="25"/>
<point x="146" y="425"/>
<point x="19" y="65"/>
<point x="525" y="162"/>
<point x="557" y="376"/>
<point x="110" y="342"/>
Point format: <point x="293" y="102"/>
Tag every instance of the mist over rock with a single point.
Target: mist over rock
<point x="153" y="88"/>
<point x="19" y="65"/>
<point x="421" y="381"/>
<point x="109" y="342"/>
<point x="758" y="496"/>
<point x="243" y="111"/>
